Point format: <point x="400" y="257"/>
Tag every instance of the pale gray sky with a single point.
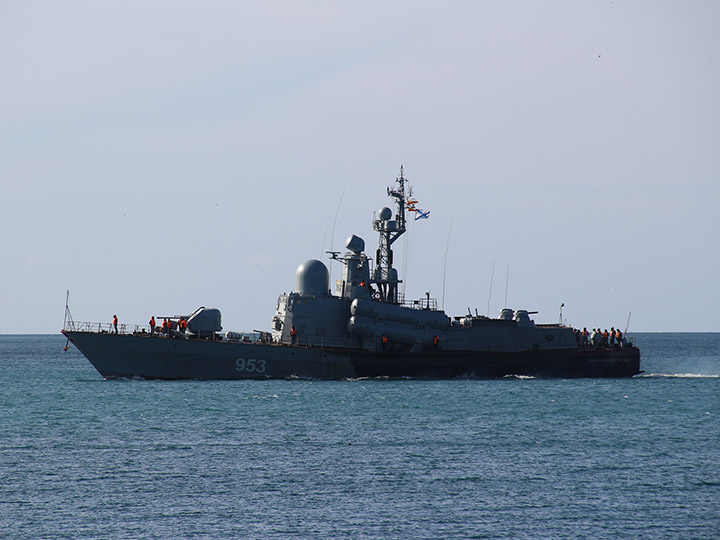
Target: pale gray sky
<point x="159" y="156"/>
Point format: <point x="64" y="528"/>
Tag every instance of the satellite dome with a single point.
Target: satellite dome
<point x="312" y="278"/>
<point x="385" y="213"/>
<point x="355" y="244"/>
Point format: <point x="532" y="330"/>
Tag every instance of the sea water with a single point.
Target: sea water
<point x="639" y="458"/>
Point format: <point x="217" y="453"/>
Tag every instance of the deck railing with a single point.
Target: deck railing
<point x="105" y="328"/>
<point x="422" y="303"/>
<point x="144" y="330"/>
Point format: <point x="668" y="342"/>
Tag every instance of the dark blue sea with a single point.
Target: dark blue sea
<point x="81" y="457"/>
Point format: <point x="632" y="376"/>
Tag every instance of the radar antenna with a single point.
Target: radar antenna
<point x="390" y="230"/>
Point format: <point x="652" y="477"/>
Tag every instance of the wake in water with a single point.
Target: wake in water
<point x="677" y="376"/>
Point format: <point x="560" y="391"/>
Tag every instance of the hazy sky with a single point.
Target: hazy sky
<point x="158" y="156"/>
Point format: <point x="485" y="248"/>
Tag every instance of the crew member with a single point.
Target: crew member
<point x="152" y="324"/>
<point x="620" y="337"/>
<point x="436" y="342"/>
<point x="612" y="337"/>
<point x="384" y="341"/>
<point x="115" y="321"/>
<point x="182" y="323"/>
<point x="585" y="337"/>
<point x="293" y="334"/>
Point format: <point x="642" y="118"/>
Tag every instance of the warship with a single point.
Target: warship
<point x="365" y="329"/>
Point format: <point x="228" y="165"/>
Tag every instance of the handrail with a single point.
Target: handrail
<point x="142" y="330"/>
<point x="421" y="303"/>
<point x="105" y="328"/>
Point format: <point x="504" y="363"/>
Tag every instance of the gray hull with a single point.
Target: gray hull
<point x="151" y="357"/>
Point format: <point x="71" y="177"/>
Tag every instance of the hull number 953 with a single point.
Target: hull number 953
<point x="250" y="365"/>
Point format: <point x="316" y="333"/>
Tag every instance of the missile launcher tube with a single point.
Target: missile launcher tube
<point x="403" y="315"/>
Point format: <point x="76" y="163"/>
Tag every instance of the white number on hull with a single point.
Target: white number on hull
<point x="250" y="365"/>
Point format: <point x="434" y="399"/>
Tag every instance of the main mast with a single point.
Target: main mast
<point x="386" y="277"/>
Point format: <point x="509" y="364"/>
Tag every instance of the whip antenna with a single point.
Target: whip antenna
<point x="507" y="280"/>
<point x="332" y="234"/>
<point x="492" y="275"/>
<point x="447" y="247"/>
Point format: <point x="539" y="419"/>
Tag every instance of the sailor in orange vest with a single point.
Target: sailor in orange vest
<point x="619" y="337"/>
<point x="585" y="337"/>
<point x="384" y="342"/>
<point x="612" y="337"/>
<point x="152" y="324"/>
<point x="605" y="337"/>
<point x="115" y="321"/>
<point x="182" y="324"/>
<point x="166" y="327"/>
<point x="436" y="342"/>
<point x="293" y="334"/>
